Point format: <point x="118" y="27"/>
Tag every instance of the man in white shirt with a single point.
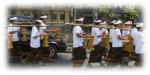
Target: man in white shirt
<point x="133" y="33"/>
<point x="104" y="32"/>
<point x="116" y="54"/>
<point x="126" y="33"/>
<point x="79" y="52"/>
<point x="42" y="28"/>
<point x="43" y="31"/>
<point x="96" y="55"/>
<point x="127" y="26"/>
<point x="111" y="33"/>
<point x="140" y="45"/>
<point x="35" y="45"/>
<point x="15" y="39"/>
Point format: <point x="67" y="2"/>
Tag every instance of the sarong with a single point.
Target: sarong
<point x="15" y="51"/>
<point x="79" y="55"/>
<point x="115" y="55"/>
<point x="96" y="55"/>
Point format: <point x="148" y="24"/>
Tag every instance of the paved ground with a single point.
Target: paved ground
<point x="63" y="60"/>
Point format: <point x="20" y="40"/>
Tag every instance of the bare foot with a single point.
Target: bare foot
<point x="89" y="64"/>
<point x="41" y="64"/>
<point x="105" y="65"/>
<point x="23" y="61"/>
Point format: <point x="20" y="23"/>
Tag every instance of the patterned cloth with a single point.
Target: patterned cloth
<point x="45" y="51"/>
<point x="125" y="54"/>
<point x="35" y="53"/>
<point x="104" y="51"/>
<point x="110" y="44"/>
<point x="115" y="55"/>
<point x="96" y="55"/>
<point x="79" y="55"/>
<point x="15" y="51"/>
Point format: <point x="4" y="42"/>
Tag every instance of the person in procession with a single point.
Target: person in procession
<point x="127" y="26"/>
<point x="140" y="45"/>
<point x="133" y="33"/>
<point x="111" y="33"/>
<point x="96" y="54"/>
<point x="79" y="52"/>
<point x="126" y="33"/>
<point x="15" y="39"/>
<point x="116" y="53"/>
<point x="43" y="31"/>
<point x="35" y="45"/>
<point x="104" y="32"/>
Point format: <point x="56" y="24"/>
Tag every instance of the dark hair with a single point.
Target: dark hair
<point x="115" y="25"/>
<point x="37" y="22"/>
<point x="134" y="25"/>
<point x="78" y="21"/>
<point x="111" y="23"/>
<point x="11" y="21"/>
<point x="41" y="18"/>
<point x="97" y="23"/>
<point x="138" y="28"/>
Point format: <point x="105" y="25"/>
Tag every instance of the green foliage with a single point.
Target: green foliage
<point x="103" y="10"/>
<point x="113" y="16"/>
<point x="131" y="13"/>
